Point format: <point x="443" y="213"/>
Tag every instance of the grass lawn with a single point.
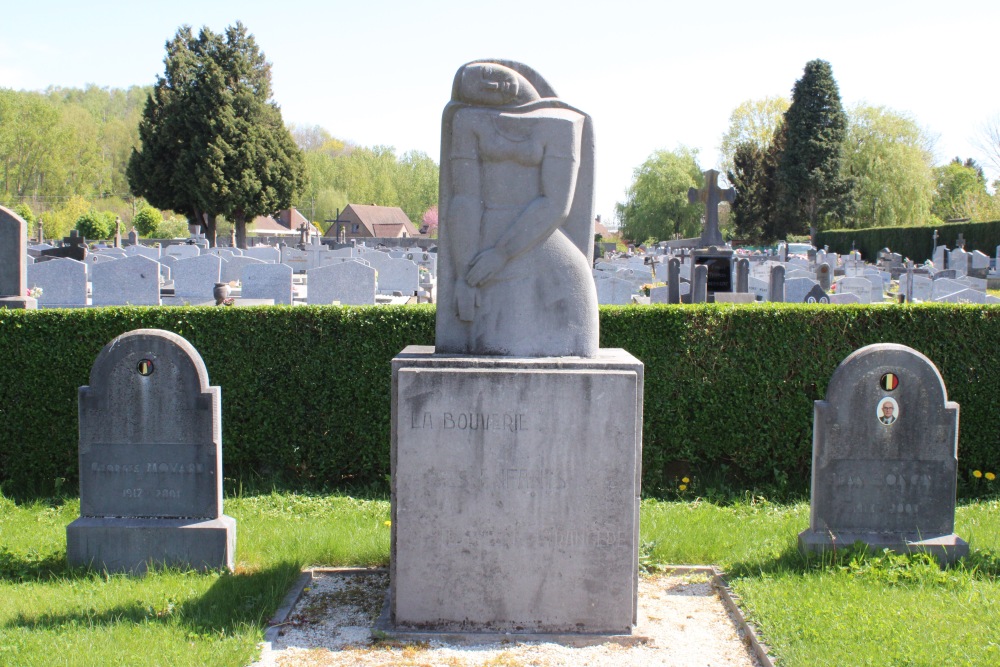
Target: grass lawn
<point x="878" y="610"/>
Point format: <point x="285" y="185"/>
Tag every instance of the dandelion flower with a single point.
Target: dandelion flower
<point x="990" y="476"/>
<point x="387" y="523"/>
<point x="685" y="480"/>
<point x="683" y="487"/>
<point x="977" y="473"/>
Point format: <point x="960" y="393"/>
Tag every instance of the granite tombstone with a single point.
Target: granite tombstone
<point x="150" y="460"/>
<point x="13" y="262"/>
<point x="885" y="447"/>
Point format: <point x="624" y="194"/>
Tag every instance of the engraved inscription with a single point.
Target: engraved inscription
<point x="468" y="421"/>
<point x="514" y="537"/>
<point x="151" y="468"/>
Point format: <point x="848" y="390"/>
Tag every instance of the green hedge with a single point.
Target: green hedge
<point x="917" y="243"/>
<point x="305" y="390"/>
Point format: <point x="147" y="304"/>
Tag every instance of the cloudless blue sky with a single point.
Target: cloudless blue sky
<point x="652" y="74"/>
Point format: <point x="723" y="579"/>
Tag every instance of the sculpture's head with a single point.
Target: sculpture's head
<point x="490" y="84"/>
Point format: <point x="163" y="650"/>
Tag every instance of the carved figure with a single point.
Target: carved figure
<point x="516" y="218"/>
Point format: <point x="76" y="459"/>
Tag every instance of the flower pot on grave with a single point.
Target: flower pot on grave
<point x="221" y="293"/>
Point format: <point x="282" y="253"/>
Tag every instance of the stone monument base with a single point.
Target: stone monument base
<point x="131" y="545"/>
<point x="19" y="302"/>
<point x="515" y="492"/>
<point x="946" y="548"/>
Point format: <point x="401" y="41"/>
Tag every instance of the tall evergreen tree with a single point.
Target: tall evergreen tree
<point x="812" y="187"/>
<point x="213" y="141"/>
<point x="754" y="175"/>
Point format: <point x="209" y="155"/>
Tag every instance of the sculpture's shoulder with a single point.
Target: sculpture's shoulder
<point x="557" y="128"/>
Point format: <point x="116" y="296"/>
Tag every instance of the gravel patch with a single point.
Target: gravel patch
<point x="682" y="617"/>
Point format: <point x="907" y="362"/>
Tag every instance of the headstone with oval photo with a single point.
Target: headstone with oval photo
<point x="885" y="457"/>
<point x="150" y="455"/>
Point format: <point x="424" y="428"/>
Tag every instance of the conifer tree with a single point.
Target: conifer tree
<point x="213" y="142"/>
<point x="812" y="188"/>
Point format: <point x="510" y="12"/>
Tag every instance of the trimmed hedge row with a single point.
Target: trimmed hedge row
<point x="305" y="390"/>
<point x="917" y="243"/>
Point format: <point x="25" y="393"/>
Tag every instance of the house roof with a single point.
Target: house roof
<point x="287" y="221"/>
<point x="380" y="221"/>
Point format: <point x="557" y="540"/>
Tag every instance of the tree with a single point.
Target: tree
<point x="988" y="140"/>
<point x="430" y="220"/>
<point x="960" y="192"/>
<point x="753" y="209"/>
<point x="753" y="122"/>
<point x="656" y="204"/>
<point x="213" y="142"/>
<point x="890" y="160"/>
<point x="812" y="186"/>
<point x="96" y="224"/>
<point x="147" y="220"/>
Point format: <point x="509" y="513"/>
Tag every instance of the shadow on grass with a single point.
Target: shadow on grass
<point x="979" y="564"/>
<point x="233" y="602"/>
<point x="33" y="566"/>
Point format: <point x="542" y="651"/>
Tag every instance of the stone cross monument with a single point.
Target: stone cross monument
<point x="711" y="196"/>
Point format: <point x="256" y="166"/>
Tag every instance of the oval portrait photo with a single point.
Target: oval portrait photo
<point x="887" y="411"/>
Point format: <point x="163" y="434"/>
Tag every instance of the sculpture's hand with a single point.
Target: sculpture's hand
<point x="485" y="266"/>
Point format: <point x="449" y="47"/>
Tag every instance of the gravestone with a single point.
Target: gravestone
<point x="150" y="460"/>
<point x="63" y="282"/>
<point x="195" y="278"/>
<point x="13" y="262"/>
<point x="843" y="298"/>
<point x="295" y="258"/>
<point x="958" y="259"/>
<point x="824" y="275"/>
<point x="264" y="253"/>
<point x="183" y="251"/>
<point x="233" y="267"/>
<point x="885" y="447"/>
<point x="699" y="285"/>
<point x="399" y="275"/>
<point x="514" y="504"/>
<point x="146" y="251"/>
<point x="860" y="287"/>
<point x="719" y="268"/>
<point x="351" y="283"/>
<point x="267" y="281"/>
<point x="614" y="291"/>
<point x="776" y="284"/>
<point x="673" y="280"/>
<point x="816" y="295"/>
<point x="742" y="275"/>
<point x="759" y="288"/>
<point x="797" y="289"/>
<point x="133" y="281"/>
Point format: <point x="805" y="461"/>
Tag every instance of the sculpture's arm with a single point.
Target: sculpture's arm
<point x="542" y="216"/>
<point x="465" y="213"/>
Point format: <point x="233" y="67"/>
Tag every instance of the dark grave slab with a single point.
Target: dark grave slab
<point x="719" y="263"/>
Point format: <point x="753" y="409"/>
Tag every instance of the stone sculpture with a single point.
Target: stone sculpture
<point x="516" y="218"/>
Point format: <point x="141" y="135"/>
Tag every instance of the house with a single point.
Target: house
<point x="286" y="224"/>
<point x="359" y="221"/>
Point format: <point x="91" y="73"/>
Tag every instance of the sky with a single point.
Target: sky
<point x="652" y="75"/>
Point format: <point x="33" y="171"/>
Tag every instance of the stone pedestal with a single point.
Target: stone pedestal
<point x="131" y="544"/>
<point x="19" y="302"/>
<point x="515" y="492"/>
